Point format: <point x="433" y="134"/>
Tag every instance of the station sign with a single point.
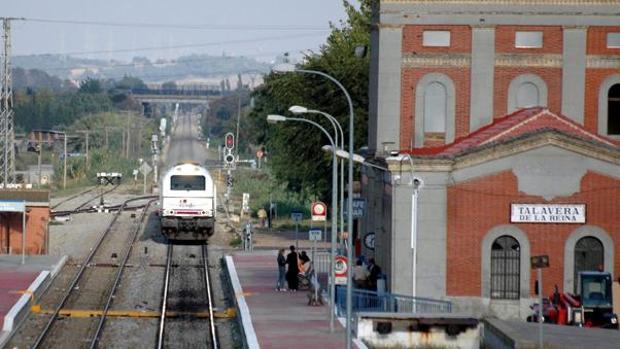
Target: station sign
<point x="297" y="216"/>
<point x="359" y="208"/>
<point x="315" y="234"/>
<point x="319" y="211"/>
<point x="12" y="206"/>
<point x="538" y="262"/>
<point x="546" y="213"/>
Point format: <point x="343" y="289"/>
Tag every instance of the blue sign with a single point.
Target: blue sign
<point x="315" y="234"/>
<point x="297" y="216"/>
<point x="12" y="206"/>
<point x="359" y="207"/>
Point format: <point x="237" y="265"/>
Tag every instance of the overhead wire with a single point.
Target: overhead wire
<point x="204" y="44"/>
<point x="234" y="27"/>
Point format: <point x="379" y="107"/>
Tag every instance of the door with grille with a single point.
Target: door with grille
<point x="505" y="268"/>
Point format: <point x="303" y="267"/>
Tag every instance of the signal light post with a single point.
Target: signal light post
<point x="229" y="160"/>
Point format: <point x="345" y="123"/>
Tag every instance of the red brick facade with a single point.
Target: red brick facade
<point x="37" y="220"/>
<point x="505" y="39"/>
<point x="504" y="75"/>
<point x="410" y="79"/>
<point x="461" y="43"/>
<point x="476" y="206"/>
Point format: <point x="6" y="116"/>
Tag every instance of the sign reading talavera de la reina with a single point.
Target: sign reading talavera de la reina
<point x="543" y="213"/>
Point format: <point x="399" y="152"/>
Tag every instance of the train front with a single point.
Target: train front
<point x="188" y="203"/>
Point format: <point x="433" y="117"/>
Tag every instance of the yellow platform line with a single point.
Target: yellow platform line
<point x="81" y="313"/>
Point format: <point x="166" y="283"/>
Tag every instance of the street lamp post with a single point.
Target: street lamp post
<point x="287" y="67"/>
<point x="337" y="128"/>
<point x="280" y="118"/>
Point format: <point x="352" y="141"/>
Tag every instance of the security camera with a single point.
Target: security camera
<point x="417" y="182"/>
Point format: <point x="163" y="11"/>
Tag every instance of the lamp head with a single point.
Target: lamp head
<point x="297" y="109"/>
<point x="327" y="148"/>
<point x="272" y="118"/>
<point x="284" y="68"/>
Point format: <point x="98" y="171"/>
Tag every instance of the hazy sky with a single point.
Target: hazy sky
<point x="258" y="28"/>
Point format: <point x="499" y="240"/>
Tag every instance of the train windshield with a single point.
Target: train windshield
<point x="187" y="183"/>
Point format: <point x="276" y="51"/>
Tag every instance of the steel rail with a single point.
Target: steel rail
<point x="96" y="197"/>
<point x="119" y="274"/>
<point x="91" y="210"/>
<point x="73" y="197"/>
<point x="162" y="318"/>
<point x="76" y="278"/>
<point x="209" y="297"/>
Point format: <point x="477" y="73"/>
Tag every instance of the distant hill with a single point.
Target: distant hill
<point x="38" y="79"/>
<point x="185" y="68"/>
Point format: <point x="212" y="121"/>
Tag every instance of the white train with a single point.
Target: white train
<point x="188" y="203"/>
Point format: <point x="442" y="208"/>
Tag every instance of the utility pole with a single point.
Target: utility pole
<point x="87" y="135"/>
<point x="40" y="150"/>
<point x="64" y="171"/>
<point x="7" y="135"/>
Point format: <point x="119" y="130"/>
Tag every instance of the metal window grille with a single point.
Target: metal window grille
<point x="613" y="110"/>
<point x="505" y="268"/>
<point x="589" y="256"/>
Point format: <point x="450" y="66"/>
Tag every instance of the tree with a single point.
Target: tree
<point x="294" y="148"/>
<point x="169" y="86"/>
<point x="91" y="86"/>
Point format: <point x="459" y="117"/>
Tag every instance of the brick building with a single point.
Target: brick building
<point x="508" y="114"/>
<point x="37" y="219"/>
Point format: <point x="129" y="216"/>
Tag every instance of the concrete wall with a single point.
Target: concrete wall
<point x="431" y="236"/>
<point x="384" y="113"/>
<point x="574" y="73"/>
<point x="482" y="70"/>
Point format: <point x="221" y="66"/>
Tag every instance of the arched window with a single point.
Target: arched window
<point x="589" y="256"/>
<point x="525" y="91"/>
<point x="527" y="95"/>
<point x="613" y="110"/>
<point x="435" y="102"/>
<point x="505" y="268"/>
<point x="435" y="107"/>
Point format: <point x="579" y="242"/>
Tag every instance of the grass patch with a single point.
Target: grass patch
<point x="235" y="242"/>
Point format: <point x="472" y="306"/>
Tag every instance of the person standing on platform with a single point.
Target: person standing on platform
<point x="360" y="275"/>
<point x="281" y="270"/>
<point x="293" y="270"/>
<point x="375" y="273"/>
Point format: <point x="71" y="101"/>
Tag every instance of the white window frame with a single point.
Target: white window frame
<point x="431" y="41"/>
<point x="613" y="36"/>
<point x="528" y="36"/>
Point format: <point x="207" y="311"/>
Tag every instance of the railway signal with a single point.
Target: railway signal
<point x="229" y="159"/>
<point x="229" y="141"/>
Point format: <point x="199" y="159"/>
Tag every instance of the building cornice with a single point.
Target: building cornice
<point x="528" y="60"/>
<point x="436" y="60"/>
<point x="602" y="62"/>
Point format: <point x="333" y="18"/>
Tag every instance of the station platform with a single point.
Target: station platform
<point x="274" y="319"/>
<point x="19" y="282"/>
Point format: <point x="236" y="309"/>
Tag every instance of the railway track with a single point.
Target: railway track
<point x="93" y="288"/>
<point x="192" y="301"/>
<point x="82" y="205"/>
